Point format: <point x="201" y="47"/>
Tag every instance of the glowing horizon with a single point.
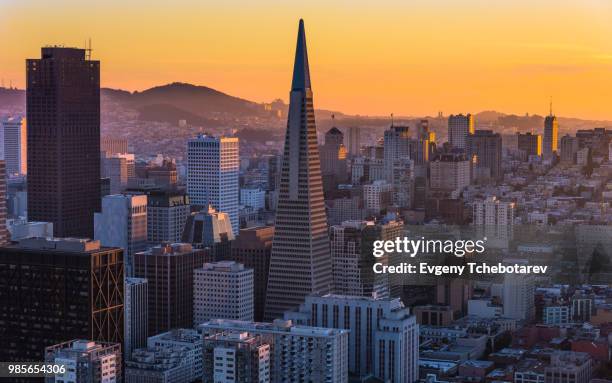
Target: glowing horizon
<point x="414" y="58"/>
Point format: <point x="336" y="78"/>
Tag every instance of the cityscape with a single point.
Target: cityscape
<point x="179" y="234"/>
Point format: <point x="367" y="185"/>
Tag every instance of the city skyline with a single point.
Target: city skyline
<point x="408" y="59"/>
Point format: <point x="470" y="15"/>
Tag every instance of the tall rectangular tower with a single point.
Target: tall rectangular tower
<point x="15" y="145"/>
<point x="551" y="136"/>
<point x="459" y="128"/>
<point x="213" y="167"/>
<point x="63" y="113"/>
<point x="300" y="263"/>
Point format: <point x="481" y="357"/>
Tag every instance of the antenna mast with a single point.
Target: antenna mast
<point x="88" y="50"/>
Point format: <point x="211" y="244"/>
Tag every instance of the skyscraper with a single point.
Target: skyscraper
<point x="485" y="149"/>
<point x="530" y="144"/>
<point x="300" y="263"/>
<point x="169" y="273"/>
<point x="354" y="140"/>
<point x="136" y="315"/>
<point x="57" y="289"/>
<point x="213" y="167"/>
<point x="63" y="113"/>
<point x="551" y="135"/>
<point x="459" y="128"/>
<point x="15" y="145"/>
<point x="123" y="223"/>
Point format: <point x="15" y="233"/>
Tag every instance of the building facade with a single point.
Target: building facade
<point x="63" y="113"/>
<point x="300" y="263"/>
<point x="213" y="166"/>
<point x="223" y="290"/>
<point x="53" y="290"/>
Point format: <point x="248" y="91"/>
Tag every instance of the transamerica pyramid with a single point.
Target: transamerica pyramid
<point x="300" y="263"/>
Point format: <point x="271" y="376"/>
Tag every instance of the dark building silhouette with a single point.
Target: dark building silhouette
<point x="169" y="272"/>
<point x="300" y="263"/>
<point x="63" y="112"/>
<point x="252" y="248"/>
<point x="5" y="236"/>
<point x="55" y="290"/>
<point x="485" y="149"/>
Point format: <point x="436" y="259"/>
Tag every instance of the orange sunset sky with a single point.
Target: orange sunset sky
<point x="408" y="57"/>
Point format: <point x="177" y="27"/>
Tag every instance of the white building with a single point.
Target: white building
<point x="569" y="366"/>
<point x="450" y="172"/>
<point x="123" y="223"/>
<point x="237" y="357"/>
<point x="85" y="361"/>
<point x="213" y="167"/>
<point x="171" y="357"/>
<point x="518" y="296"/>
<point x="135" y="305"/>
<point x="383" y="338"/>
<point x="459" y="128"/>
<point x="255" y="198"/>
<point x="298" y="353"/>
<point x="377" y="195"/>
<point x="15" y="149"/>
<point x="556" y="315"/>
<point x="223" y="290"/>
<point x="493" y="212"/>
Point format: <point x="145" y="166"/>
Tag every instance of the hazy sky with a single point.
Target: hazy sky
<point x="408" y="57"/>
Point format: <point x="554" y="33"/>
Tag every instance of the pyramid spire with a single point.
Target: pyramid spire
<point x="301" y="73"/>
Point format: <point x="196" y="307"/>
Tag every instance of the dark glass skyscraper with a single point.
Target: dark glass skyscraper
<point x="300" y="263"/>
<point x="63" y="111"/>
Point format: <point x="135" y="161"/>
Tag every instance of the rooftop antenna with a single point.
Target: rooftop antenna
<point x="391" y="119"/>
<point x="88" y="50"/>
<point x="333" y="119"/>
<point x="551" y="106"/>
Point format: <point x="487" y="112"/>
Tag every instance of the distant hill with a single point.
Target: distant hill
<point x="171" y="114"/>
<point x="194" y="100"/>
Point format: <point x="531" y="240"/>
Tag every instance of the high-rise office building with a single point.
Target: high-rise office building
<point x="252" y="248"/>
<point x="397" y="145"/>
<point x="85" y="361"/>
<point x="237" y="357"/>
<point x="112" y="145"/>
<point x="298" y="353"/>
<point x="15" y="145"/>
<point x="459" y="128"/>
<point x="57" y="289"/>
<point x="167" y="212"/>
<point x="450" y="172"/>
<point x="300" y="262"/>
<point x="169" y="272"/>
<point x="530" y="144"/>
<point x="333" y="155"/>
<point x="352" y="243"/>
<point x="383" y="337"/>
<point x="136" y="315"/>
<point x="377" y="196"/>
<point x="569" y="148"/>
<point x="223" y="290"/>
<point x="519" y="296"/>
<point x="63" y="113"/>
<point x="485" y="149"/>
<point x="123" y="223"/>
<point x="119" y="168"/>
<point x="551" y="135"/>
<point x="213" y="166"/>
<point x="354" y="140"/>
